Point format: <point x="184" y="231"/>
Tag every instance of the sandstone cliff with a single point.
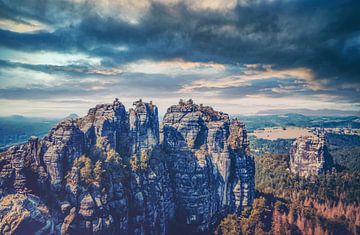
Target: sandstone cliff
<point x="209" y="163"/>
<point x="111" y="172"/>
<point x="309" y="156"/>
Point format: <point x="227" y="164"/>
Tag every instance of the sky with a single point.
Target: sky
<point x="241" y="57"/>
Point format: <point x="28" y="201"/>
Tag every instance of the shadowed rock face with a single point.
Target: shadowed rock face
<point x="144" y="126"/>
<point x="109" y="172"/>
<point x="209" y="163"/>
<point x="309" y="156"/>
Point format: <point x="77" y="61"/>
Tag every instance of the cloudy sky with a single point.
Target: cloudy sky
<point x="59" y="57"/>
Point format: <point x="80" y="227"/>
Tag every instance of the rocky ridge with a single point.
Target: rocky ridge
<point x="117" y="172"/>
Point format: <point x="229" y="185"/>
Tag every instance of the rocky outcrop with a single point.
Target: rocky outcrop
<point x="309" y="156"/>
<point x="144" y="126"/>
<point x="111" y="172"/>
<point x="106" y="127"/>
<point x="24" y="214"/>
<point x="209" y="163"/>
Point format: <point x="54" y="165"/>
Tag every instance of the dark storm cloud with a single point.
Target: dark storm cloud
<point x="60" y="40"/>
<point x="315" y="34"/>
<point x="321" y="35"/>
<point x="46" y="11"/>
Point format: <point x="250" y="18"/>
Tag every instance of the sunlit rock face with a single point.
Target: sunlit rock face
<point x="209" y="163"/>
<point x="111" y="172"/>
<point x="309" y="156"/>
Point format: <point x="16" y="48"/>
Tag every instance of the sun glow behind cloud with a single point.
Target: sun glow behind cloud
<point x="172" y="67"/>
<point x="250" y="75"/>
<point x="24" y="27"/>
<point x="48" y="57"/>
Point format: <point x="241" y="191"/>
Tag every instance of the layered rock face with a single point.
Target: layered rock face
<point x="309" y="156"/>
<point x="209" y="163"/>
<point x="108" y="173"/>
<point x="144" y="126"/>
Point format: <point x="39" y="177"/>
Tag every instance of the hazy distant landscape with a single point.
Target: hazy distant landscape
<point x="18" y="129"/>
<point x="299" y="120"/>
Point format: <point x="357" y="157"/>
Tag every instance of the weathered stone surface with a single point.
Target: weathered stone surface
<point x="106" y="127"/>
<point x="309" y="156"/>
<point x="144" y="126"/>
<point x="61" y="147"/>
<point x="24" y="214"/>
<point x="209" y="163"/>
<point x="111" y="172"/>
<point x="68" y="221"/>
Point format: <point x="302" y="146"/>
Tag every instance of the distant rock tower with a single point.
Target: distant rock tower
<point x="309" y="156"/>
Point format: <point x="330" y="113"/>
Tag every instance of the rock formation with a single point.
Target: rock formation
<point x="24" y="214"/>
<point x="112" y="172"/>
<point x="209" y="163"/>
<point x="309" y="156"/>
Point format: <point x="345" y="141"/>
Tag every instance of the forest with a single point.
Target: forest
<point x="288" y="204"/>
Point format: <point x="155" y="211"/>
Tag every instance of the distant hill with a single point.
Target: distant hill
<point x="311" y="112"/>
<point x="72" y="116"/>
<point x="294" y="119"/>
<point x="16" y="129"/>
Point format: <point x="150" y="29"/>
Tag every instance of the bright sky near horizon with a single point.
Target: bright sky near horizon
<point x="241" y="57"/>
